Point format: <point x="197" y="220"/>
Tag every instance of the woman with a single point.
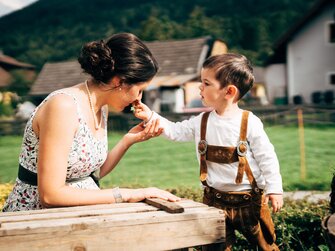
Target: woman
<point x="65" y="140"/>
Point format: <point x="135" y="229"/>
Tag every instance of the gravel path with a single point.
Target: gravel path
<point x="310" y="196"/>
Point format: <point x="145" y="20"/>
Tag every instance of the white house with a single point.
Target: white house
<point x="302" y="69"/>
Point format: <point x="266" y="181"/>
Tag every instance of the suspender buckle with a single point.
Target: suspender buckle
<point x="242" y="148"/>
<point x="202" y="147"/>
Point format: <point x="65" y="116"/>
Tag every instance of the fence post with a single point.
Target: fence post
<point x="302" y="144"/>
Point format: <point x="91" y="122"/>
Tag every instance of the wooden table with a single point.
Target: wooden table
<point x="124" y="226"/>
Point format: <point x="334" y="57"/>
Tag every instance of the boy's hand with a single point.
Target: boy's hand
<point x="276" y="201"/>
<point x="141" y="111"/>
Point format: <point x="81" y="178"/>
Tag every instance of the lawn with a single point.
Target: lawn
<point x="166" y="164"/>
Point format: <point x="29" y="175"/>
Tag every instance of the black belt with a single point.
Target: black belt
<point x="30" y="177"/>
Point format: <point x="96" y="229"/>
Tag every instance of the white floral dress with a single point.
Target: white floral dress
<point x="86" y="156"/>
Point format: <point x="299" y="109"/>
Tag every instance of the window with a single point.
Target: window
<point x="331" y="31"/>
<point x="332" y="78"/>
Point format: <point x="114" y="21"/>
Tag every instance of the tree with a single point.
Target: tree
<point x="159" y="28"/>
<point x="199" y="24"/>
<point x="19" y="84"/>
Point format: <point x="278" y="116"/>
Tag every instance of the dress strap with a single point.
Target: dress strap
<point x="105" y="115"/>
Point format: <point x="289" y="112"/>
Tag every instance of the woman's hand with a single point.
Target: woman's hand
<point x="140" y="133"/>
<point x="136" y="195"/>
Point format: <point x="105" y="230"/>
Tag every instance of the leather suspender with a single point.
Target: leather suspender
<point x="242" y="147"/>
<point x="220" y="154"/>
<point x="202" y="147"/>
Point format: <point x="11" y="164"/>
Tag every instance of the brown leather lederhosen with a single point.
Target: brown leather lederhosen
<point x="226" y="155"/>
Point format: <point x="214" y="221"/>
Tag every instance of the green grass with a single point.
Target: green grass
<point x="166" y="164"/>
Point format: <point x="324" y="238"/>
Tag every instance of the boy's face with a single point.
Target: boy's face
<point x="210" y="90"/>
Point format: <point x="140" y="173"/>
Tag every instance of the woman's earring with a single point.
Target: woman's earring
<point x="119" y="88"/>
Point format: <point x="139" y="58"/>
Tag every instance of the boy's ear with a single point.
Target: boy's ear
<point x="231" y="91"/>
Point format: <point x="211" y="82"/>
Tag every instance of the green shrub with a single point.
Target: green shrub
<point x="6" y="109"/>
<point x="298" y="225"/>
<point x="5" y="189"/>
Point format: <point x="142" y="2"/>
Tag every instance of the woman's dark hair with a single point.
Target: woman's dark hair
<point x="232" y="69"/>
<point x="123" y="55"/>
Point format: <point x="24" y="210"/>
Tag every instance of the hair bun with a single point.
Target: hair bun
<point x="96" y="59"/>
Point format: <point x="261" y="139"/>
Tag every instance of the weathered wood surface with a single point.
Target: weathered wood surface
<point x="124" y="226"/>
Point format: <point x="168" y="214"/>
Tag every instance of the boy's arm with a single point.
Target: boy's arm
<point x="267" y="160"/>
<point x="265" y="156"/>
<point x="176" y="131"/>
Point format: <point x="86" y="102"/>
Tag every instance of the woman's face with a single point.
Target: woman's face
<point x="128" y="94"/>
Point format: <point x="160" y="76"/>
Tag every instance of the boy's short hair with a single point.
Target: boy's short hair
<point x="234" y="69"/>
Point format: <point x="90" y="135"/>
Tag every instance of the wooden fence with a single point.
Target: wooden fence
<point x="268" y="114"/>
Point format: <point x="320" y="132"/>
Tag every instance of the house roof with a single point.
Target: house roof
<point x="179" y="60"/>
<point x="54" y="76"/>
<point x="180" y="56"/>
<point x="170" y="80"/>
<point x="9" y="63"/>
<point x="280" y="46"/>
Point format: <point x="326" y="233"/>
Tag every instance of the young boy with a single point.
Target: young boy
<point x="239" y="168"/>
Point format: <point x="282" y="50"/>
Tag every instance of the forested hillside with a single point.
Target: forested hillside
<point x="54" y="30"/>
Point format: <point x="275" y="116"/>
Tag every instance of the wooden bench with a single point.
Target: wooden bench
<point x="124" y="226"/>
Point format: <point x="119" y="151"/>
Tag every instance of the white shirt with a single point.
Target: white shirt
<point x="225" y="131"/>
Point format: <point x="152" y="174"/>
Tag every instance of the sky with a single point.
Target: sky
<point x="8" y="6"/>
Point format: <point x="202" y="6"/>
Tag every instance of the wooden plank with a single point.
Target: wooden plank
<point x="70" y="209"/>
<point x="123" y="226"/>
<point x="111" y="209"/>
<point x="170" y="207"/>
<point x="86" y="211"/>
<point x="161" y="231"/>
<point x="45" y="225"/>
<point x="160" y="236"/>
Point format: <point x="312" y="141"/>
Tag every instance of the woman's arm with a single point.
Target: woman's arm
<point x="57" y="123"/>
<point x="135" y="135"/>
